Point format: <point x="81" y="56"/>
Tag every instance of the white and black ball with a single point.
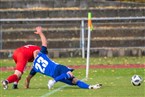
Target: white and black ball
<point x="136" y="80"/>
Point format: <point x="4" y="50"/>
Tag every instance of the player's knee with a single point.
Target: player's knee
<point x="75" y="80"/>
<point x="18" y="73"/>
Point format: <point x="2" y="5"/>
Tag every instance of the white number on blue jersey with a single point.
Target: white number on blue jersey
<point x="41" y="64"/>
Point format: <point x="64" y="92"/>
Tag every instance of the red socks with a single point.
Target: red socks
<point x="12" y="78"/>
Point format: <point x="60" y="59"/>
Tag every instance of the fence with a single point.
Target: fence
<point x="82" y="27"/>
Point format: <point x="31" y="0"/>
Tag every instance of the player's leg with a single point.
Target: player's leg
<point x="11" y="78"/>
<point x="20" y="65"/>
<point x="62" y="76"/>
<point x="67" y="81"/>
<point x="15" y="84"/>
<point x="75" y="81"/>
<point x="61" y="72"/>
<point x="84" y="85"/>
<point x="81" y="84"/>
<point x="21" y="62"/>
<point x="67" y="75"/>
<point x="68" y="78"/>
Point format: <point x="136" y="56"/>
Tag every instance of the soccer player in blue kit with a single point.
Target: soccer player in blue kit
<point x="60" y="73"/>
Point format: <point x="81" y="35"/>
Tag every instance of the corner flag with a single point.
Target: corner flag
<point x="90" y="28"/>
<point x="90" y="21"/>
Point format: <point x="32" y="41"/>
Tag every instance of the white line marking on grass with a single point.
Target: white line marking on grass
<point x="52" y="92"/>
<point x="56" y="90"/>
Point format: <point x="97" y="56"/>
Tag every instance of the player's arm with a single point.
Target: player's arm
<point x="42" y="36"/>
<point x="43" y="40"/>
<point x="28" y="78"/>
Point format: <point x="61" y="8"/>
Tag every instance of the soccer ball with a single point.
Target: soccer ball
<point x="136" y="80"/>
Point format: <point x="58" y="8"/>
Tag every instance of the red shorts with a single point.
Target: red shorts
<point x="20" y="61"/>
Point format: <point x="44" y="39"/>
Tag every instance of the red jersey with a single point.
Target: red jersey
<point x="24" y="54"/>
<point x="27" y="51"/>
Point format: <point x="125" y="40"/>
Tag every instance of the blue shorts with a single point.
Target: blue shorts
<point x="60" y="69"/>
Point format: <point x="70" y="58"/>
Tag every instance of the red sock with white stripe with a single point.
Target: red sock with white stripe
<point x="12" y="78"/>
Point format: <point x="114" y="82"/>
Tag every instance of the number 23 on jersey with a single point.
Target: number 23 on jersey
<point x="41" y="64"/>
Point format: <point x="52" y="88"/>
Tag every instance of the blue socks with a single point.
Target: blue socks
<point x="82" y="84"/>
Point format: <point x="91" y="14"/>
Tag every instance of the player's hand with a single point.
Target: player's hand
<point x="38" y="30"/>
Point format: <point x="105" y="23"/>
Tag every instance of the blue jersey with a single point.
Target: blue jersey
<point x="43" y="64"/>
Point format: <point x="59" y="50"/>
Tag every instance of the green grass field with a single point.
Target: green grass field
<point x="116" y="82"/>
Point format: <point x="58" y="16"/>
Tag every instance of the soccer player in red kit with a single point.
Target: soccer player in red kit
<point x="21" y="56"/>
